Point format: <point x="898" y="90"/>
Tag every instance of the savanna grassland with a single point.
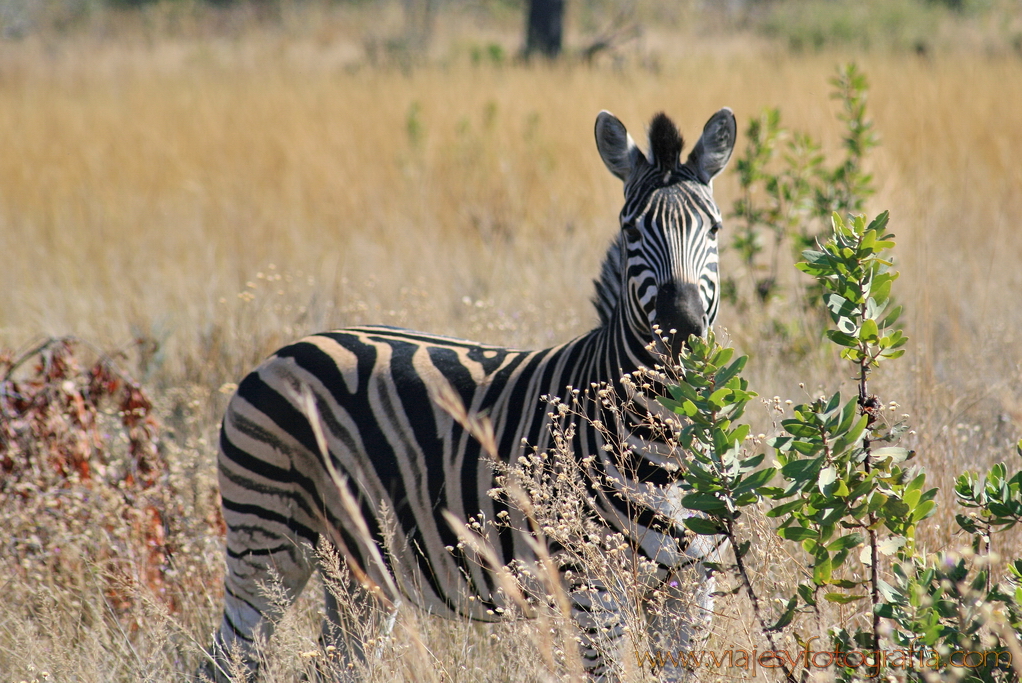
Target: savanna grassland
<point x="199" y="187"/>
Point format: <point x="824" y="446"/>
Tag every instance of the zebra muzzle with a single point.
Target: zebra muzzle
<point x="679" y="314"/>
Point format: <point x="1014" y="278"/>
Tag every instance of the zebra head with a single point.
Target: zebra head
<point x="667" y="270"/>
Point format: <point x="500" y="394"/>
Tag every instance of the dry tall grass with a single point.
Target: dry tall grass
<point x="221" y="195"/>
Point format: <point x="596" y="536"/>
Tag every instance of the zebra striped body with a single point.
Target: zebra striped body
<point x="366" y="397"/>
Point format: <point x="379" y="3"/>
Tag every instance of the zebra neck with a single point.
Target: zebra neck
<point x="608" y="285"/>
<point x="621" y="346"/>
<point x="624" y="328"/>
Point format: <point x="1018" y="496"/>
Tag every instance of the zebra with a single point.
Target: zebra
<point x="342" y="431"/>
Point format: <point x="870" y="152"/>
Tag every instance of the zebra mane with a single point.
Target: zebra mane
<point x="608" y="285"/>
<point x="665" y="142"/>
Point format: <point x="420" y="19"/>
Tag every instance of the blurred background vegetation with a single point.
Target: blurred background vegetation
<point x="589" y="26"/>
<point x="190" y="184"/>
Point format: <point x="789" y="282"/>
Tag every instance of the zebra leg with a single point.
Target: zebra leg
<point x="345" y="637"/>
<point x="258" y="587"/>
<point x="597" y="612"/>
<point x="682" y="624"/>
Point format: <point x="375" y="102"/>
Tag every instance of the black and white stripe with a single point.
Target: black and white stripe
<point x="366" y="396"/>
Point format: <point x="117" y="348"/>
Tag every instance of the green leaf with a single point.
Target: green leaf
<point x="687" y="408"/>
<point x="739" y="435"/>
<point x="895" y="509"/>
<point x="755" y="480"/>
<point x="822" y="569"/>
<point x="967" y="523"/>
<point x="701" y="526"/>
<point x="797" y="533"/>
<point x="670" y="404"/>
<point x="847" y="416"/>
<point x="696" y="474"/>
<point x="854" y="355"/>
<point x="897" y="339"/>
<point x="743" y="499"/>
<point x="885" y="610"/>
<point x="841" y="338"/>
<point x="787" y="615"/>
<point x="681" y="391"/>
<point x="869" y="332"/>
<point x="866" y="244"/>
<point x="889" y="592"/>
<point x="828" y="475"/>
<point x="842" y="598"/>
<point x="879" y="224"/>
<point x="858" y="428"/>
<point x="925" y="509"/>
<point x="881" y="291"/>
<point x="800" y="429"/>
<point x="896" y="453"/>
<point x="722" y="356"/>
<point x="874" y="309"/>
<point x="719" y="396"/>
<point x="785" y="508"/>
<point x="730" y="371"/>
<point x="705" y="502"/>
<point x="891" y="317"/>
<point x="753" y="462"/>
<point x="803" y="469"/>
<point x="807" y="593"/>
<point x="840" y="307"/>
<point x="845" y="542"/>
<point x="721" y="444"/>
<point x="813" y="257"/>
<point x="833" y="403"/>
<point x="891" y="545"/>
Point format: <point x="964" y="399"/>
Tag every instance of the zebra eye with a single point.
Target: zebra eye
<point x="715" y="228"/>
<point x="631" y="232"/>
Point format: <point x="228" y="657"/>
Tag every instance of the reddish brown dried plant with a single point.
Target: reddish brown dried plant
<point x="79" y="459"/>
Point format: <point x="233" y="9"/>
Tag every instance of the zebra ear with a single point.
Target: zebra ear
<point x="616" y="146"/>
<point x="712" y="152"/>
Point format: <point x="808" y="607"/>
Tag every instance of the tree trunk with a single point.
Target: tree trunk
<point x="545" y="28"/>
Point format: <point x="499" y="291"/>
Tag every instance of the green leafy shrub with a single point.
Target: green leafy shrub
<point x="848" y="499"/>
<point x="787" y="191"/>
